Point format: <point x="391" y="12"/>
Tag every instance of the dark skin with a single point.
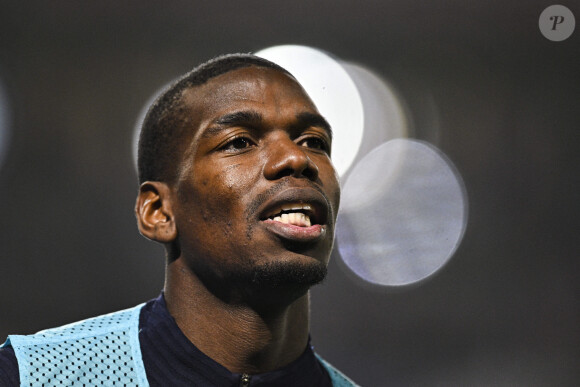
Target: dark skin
<point x="256" y="143"/>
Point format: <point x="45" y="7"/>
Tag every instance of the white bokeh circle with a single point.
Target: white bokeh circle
<point x="403" y="213"/>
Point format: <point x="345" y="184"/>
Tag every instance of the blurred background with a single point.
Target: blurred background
<point x="506" y="102"/>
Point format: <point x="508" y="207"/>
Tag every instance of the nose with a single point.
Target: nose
<point x="286" y="158"/>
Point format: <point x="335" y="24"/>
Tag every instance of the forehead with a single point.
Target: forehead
<point x="259" y="87"/>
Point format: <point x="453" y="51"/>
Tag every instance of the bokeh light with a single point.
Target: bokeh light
<point x="384" y="113"/>
<point x="403" y="213"/>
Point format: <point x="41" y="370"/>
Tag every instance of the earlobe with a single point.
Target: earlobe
<point x="154" y="212"/>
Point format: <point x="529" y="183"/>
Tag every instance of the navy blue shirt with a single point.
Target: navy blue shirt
<point x="170" y="359"/>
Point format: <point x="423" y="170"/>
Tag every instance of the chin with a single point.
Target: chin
<point x="279" y="274"/>
<point x="280" y="283"/>
<point x="265" y="282"/>
<point x="274" y="284"/>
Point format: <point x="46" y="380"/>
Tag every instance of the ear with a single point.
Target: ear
<point x="154" y="212"/>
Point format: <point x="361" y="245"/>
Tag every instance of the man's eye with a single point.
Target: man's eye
<point x="237" y="144"/>
<point x="315" y="143"/>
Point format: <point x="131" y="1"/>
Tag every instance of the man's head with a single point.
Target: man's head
<point x="247" y="197"/>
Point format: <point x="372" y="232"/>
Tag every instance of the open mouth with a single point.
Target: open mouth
<point x="295" y="214"/>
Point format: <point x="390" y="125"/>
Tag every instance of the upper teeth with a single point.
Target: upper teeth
<point x="294" y="206"/>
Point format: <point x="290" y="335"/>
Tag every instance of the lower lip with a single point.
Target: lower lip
<point x="296" y="233"/>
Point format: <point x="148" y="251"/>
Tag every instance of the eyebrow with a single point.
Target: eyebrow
<point x="255" y="119"/>
<point x="242" y="118"/>
<point x="307" y="119"/>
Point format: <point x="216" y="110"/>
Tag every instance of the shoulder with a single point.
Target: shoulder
<point x="76" y="351"/>
<point x="93" y="327"/>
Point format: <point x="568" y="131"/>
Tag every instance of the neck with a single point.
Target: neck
<point x="240" y="337"/>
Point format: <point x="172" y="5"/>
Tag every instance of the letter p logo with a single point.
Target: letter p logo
<point x="557" y="23"/>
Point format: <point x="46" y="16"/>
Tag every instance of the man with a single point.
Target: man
<point x="238" y="185"/>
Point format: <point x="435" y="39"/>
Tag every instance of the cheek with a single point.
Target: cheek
<point x="228" y="192"/>
<point x="233" y="179"/>
<point x="219" y="194"/>
<point x="205" y="221"/>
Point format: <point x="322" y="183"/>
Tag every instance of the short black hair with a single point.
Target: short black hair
<point x="163" y="126"/>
